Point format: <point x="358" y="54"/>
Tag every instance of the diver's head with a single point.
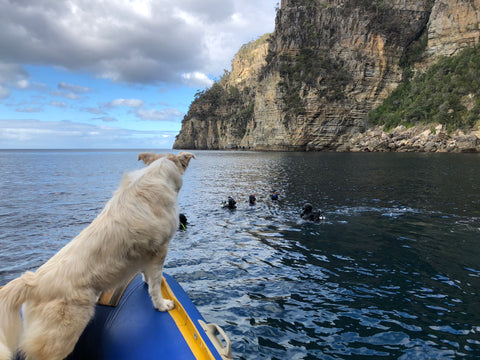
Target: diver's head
<point x="183" y="219"/>
<point x="307" y="208"/>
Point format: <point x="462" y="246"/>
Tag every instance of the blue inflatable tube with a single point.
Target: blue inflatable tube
<point x="135" y="330"/>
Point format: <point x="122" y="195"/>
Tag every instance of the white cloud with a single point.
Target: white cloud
<point x="67" y="95"/>
<point x="73" y="88"/>
<point x="23" y="84"/>
<point x="159" y="115"/>
<point x="59" y="104"/>
<point x="167" y="114"/>
<point x="133" y="103"/>
<point x="26" y="84"/>
<point x="197" y="79"/>
<point x="29" y="109"/>
<point x="29" y="130"/>
<point x="142" y="7"/>
<point x="95" y="110"/>
<point x="31" y="134"/>
<point x="107" y="119"/>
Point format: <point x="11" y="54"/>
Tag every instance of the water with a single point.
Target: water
<point x="392" y="273"/>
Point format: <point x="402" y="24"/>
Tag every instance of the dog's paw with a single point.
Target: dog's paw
<point x="164" y="305"/>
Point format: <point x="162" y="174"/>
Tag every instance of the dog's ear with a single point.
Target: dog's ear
<point x="149" y="157"/>
<point x="185" y="158"/>
<point x="181" y="160"/>
<point x="145" y="157"/>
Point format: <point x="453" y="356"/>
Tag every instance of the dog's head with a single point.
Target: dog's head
<point x="149" y="157"/>
<point x="181" y="160"/>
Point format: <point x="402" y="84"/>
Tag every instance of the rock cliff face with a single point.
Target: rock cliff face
<point x="311" y="84"/>
<point x="453" y="25"/>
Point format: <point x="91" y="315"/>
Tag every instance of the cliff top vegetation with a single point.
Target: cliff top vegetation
<point x="448" y="93"/>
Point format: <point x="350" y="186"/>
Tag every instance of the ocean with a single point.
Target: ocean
<point x="393" y="272"/>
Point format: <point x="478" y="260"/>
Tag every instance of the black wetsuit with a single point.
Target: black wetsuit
<point x="310" y="215"/>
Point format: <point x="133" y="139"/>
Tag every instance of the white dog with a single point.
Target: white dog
<point x="131" y="234"/>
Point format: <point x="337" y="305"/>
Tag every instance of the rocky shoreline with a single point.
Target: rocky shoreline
<point x="414" y="139"/>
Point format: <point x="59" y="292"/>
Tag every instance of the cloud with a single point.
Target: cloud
<point x="136" y="45"/>
<point x="197" y="79"/>
<point x="59" y="104"/>
<point x="23" y="84"/>
<point x="11" y="72"/>
<point x="141" y="112"/>
<point x="140" y="41"/>
<point x="210" y="11"/>
<point x="67" y="95"/>
<point x="133" y="103"/>
<point x="107" y="119"/>
<point x="4" y="92"/>
<point x="29" y="109"/>
<point x="73" y="88"/>
<point x="159" y="115"/>
<point x="31" y="134"/>
<point x="69" y="91"/>
<point x="95" y="110"/>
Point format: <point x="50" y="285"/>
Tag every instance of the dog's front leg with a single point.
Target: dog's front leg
<point x="153" y="273"/>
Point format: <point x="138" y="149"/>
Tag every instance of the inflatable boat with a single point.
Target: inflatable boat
<point x="126" y="326"/>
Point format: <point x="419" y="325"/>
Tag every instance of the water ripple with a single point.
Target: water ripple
<point x="391" y="273"/>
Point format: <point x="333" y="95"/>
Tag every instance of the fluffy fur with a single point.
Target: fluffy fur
<point x="150" y="157"/>
<point x="131" y="234"/>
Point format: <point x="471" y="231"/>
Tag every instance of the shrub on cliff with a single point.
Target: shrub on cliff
<point x="448" y="94"/>
<point x="314" y="70"/>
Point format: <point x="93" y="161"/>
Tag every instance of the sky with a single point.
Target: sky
<point x="114" y="73"/>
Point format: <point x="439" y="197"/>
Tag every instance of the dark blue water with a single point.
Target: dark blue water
<point x="392" y="273"/>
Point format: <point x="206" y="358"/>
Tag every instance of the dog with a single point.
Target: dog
<point x="149" y="157"/>
<point x="130" y="235"/>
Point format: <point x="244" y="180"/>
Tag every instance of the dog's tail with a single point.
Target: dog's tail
<point x="12" y="296"/>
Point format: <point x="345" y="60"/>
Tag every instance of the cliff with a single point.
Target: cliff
<point x="312" y="83"/>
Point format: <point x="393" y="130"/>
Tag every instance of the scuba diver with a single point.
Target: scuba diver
<point x="252" y="200"/>
<point x="310" y="215"/>
<point x="182" y="226"/>
<point x="230" y="204"/>
<point x="274" y="196"/>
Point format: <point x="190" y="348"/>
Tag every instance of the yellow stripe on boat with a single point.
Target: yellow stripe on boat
<point x="186" y="326"/>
